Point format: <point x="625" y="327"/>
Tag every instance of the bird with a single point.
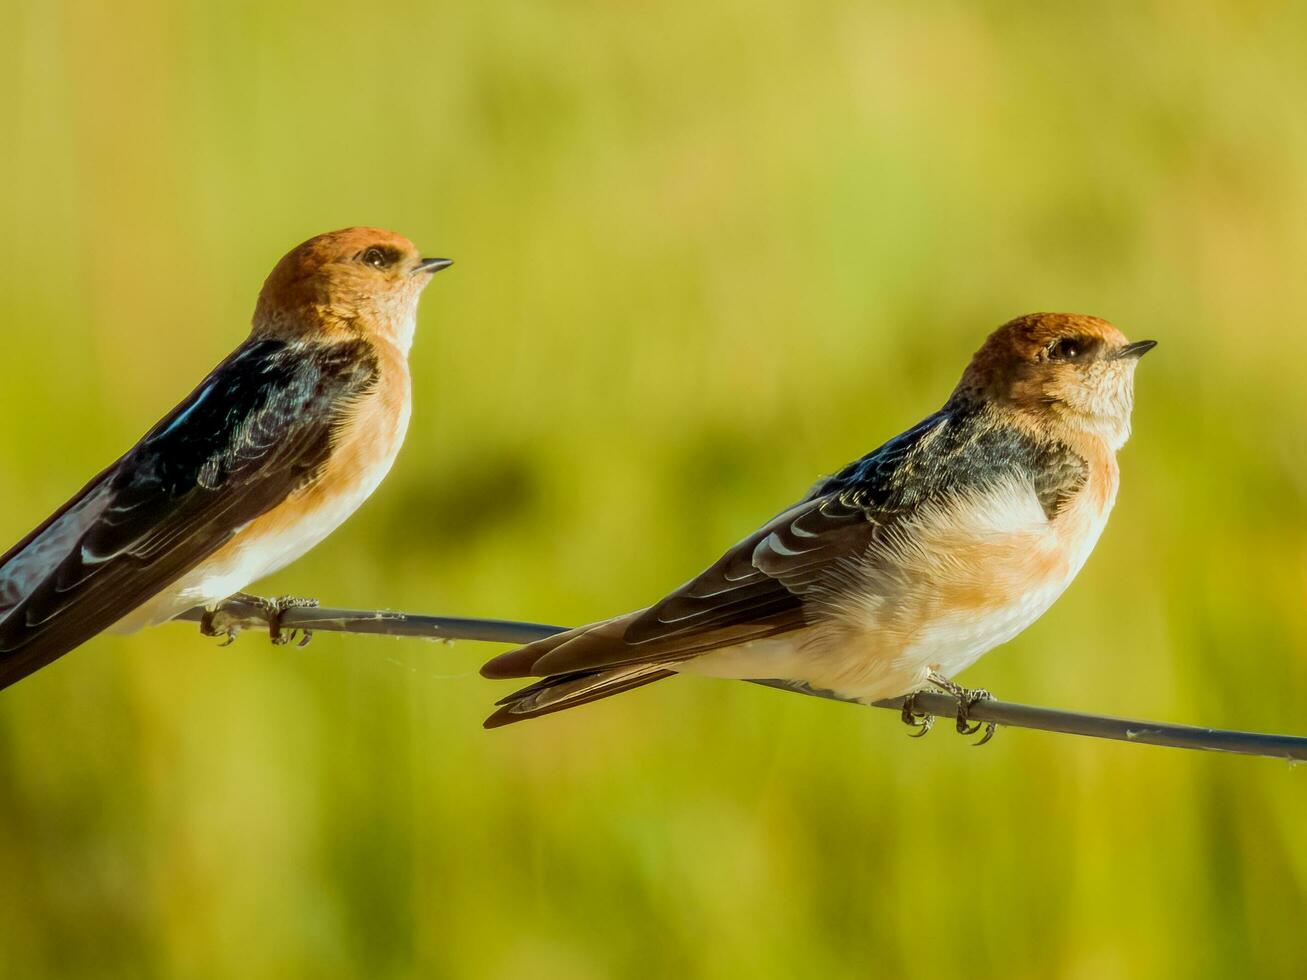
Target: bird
<point x="899" y="571"/>
<point x="269" y="454"/>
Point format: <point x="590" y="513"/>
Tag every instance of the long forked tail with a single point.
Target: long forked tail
<point x="599" y="664"/>
<point x="569" y="690"/>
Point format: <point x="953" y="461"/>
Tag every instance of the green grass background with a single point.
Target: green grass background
<point x="705" y="252"/>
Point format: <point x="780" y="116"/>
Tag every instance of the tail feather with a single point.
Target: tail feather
<point x="69" y="633"/>
<point x="604" y="644"/>
<point x="569" y="690"/>
<point x="597" y="661"/>
<point x="523" y="661"/>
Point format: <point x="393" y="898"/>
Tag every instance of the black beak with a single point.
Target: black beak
<point x="1136" y="350"/>
<point x="432" y="265"/>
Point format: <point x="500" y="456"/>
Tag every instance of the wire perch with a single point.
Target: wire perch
<point x="380" y="622"/>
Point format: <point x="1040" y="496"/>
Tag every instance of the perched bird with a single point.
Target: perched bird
<point x="269" y="455"/>
<point x="904" y="567"/>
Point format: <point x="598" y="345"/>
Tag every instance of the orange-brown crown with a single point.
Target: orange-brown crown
<point x="1067" y="371"/>
<point x="364" y="280"/>
<point x="1016" y="350"/>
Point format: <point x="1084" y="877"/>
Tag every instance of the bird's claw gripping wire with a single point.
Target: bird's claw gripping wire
<point x="269" y="609"/>
<point x="913" y="718"/>
<point x="276" y="608"/>
<point x="209" y="627"/>
<point x="966" y="697"/>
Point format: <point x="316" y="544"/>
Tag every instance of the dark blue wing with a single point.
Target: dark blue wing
<point x="257" y="429"/>
<point x="757" y="589"/>
<point x="768" y="574"/>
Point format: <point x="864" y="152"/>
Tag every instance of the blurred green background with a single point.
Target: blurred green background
<point x="706" y="252"/>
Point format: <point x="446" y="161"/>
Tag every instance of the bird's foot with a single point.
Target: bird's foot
<point x="274" y="608"/>
<point x="913" y="718"/>
<point x="215" y="622"/>
<point x="222" y="621"/>
<point x="966" y="697"/>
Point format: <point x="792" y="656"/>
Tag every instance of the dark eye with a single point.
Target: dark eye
<point x="1066" y="349"/>
<point x="376" y="257"/>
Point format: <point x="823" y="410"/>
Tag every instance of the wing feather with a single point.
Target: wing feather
<point x="256" y="430"/>
<point x="755" y="590"/>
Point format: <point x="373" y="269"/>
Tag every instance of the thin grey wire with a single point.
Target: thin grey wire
<point x="1288" y="747"/>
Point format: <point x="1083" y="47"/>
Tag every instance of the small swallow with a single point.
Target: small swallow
<point x="906" y="566"/>
<point x="269" y="455"/>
